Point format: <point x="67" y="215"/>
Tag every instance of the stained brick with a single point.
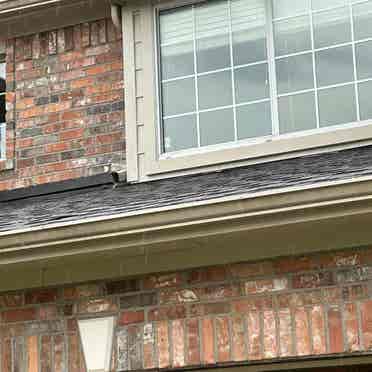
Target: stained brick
<point x="135" y="347"/>
<point x="46" y="354"/>
<point x="351" y="327"/>
<point x="254" y="336"/>
<point x="96" y="306"/>
<point x="20" y="315"/>
<point x="32" y="354"/>
<point x="270" y="335"/>
<point x="336" y="343"/>
<point x="239" y="352"/>
<point x="149" y="346"/>
<point x="318" y="330"/>
<point x="313" y="280"/>
<point x="163" y="344"/>
<point x="366" y="313"/>
<point x="193" y="338"/>
<point x="285" y="333"/>
<point x="165" y="313"/>
<point x="178" y="343"/>
<point x="130" y="317"/>
<point x="207" y="341"/>
<point x="303" y="342"/>
<point x="223" y="339"/>
<point x="6" y="360"/>
<point x="162" y="281"/>
<point x="59" y="353"/>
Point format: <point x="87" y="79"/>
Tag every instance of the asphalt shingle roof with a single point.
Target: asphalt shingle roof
<point x="105" y="200"/>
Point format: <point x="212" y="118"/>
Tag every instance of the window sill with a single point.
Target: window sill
<point x="258" y="152"/>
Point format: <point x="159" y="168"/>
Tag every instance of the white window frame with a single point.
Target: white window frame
<point x="155" y="164"/>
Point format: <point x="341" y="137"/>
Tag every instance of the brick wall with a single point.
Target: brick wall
<point x="65" y="105"/>
<point x="300" y="306"/>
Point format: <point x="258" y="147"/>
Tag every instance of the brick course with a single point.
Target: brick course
<point x="64" y="105"/>
<point x="207" y="316"/>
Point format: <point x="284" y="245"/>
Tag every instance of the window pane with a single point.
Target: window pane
<point x="364" y="60"/>
<point x="215" y="90"/>
<point x="249" y="31"/>
<point x="337" y="106"/>
<point x="254" y="120"/>
<point x="335" y="66"/>
<point x="2" y="109"/>
<point x="177" y="60"/>
<point x="216" y="127"/>
<point x="363" y="20"/>
<point x="179" y="97"/>
<point x="285" y="8"/>
<point x="332" y="27"/>
<point x="212" y="32"/>
<point x="2" y="77"/>
<point x="297" y="113"/>
<point x="292" y="36"/>
<point x="180" y="133"/>
<point x="365" y="94"/>
<point x="325" y="4"/>
<point x="295" y="73"/>
<point x="176" y="25"/>
<point x="252" y="83"/>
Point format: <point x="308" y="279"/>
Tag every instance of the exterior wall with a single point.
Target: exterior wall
<point x="298" y="306"/>
<point x="65" y="105"/>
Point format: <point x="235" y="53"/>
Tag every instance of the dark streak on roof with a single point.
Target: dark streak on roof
<point x="105" y="200"/>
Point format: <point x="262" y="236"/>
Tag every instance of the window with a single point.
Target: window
<point x="2" y="108"/>
<point x="257" y="70"/>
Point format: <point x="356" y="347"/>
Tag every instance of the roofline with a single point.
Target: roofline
<point x="141" y="230"/>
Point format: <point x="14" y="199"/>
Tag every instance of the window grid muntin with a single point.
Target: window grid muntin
<point x="271" y="58"/>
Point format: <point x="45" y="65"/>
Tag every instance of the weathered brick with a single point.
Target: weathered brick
<point x="351" y="327"/>
<point x="313" y="280"/>
<point x="32" y="354"/>
<point x="239" y="352"/>
<point x="20" y="315"/>
<point x="207" y="341"/>
<point x="129" y="317"/>
<point x="193" y="339"/>
<point x="167" y="313"/>
<point x="285" y="333"/>
<point x="318" y="330"/>
<point x="58" y="353"/>
<point x="178" y="343"/>
<point x="223" y="339"/>
<point x="163" y="344"/>
<point x="303" y="342"/>
<point x="366" y="313"/>
<point x="46" y="353"/>
<point x="336" y="339"/>
<point x="41" y="296"/>
<point x="254" y="336"/>
<point x="149" y="346"/>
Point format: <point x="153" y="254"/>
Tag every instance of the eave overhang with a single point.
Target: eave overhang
<point x="232" y="229"/>
<point x="25" y="17"/>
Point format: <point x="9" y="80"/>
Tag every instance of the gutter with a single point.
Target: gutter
<point x="139" y="232"/>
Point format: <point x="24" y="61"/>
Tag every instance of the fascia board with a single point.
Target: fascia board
<point x="136" y="232"/>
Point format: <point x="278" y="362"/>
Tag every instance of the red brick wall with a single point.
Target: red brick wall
<point x="65" y="105"/>
<point x="289" y="307"/>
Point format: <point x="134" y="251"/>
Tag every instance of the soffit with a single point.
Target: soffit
<point x="23" y="17"/>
